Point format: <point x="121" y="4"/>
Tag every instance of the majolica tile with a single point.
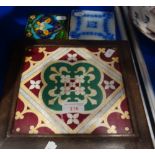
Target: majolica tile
<point x="72" y="90"/>
<point x="92" y="25"/>
<point x="47" y="27"/>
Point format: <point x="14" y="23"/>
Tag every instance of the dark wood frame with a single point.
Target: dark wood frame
<point x="140" y="139"/>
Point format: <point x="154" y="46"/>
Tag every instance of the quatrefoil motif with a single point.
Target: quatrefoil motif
<point x="65" y="82"/>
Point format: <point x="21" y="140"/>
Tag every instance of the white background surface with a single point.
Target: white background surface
<point x="77" y="2"/>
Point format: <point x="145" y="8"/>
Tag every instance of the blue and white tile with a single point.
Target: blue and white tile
<point x="92" y="25"/>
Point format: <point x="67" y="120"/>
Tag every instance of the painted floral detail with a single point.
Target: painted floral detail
<point x="109" y="84"/>
<point x="52" y="92"/>
<point x="101" y="50"/>
<point x="73" y="118"/>
<point x="112" y="129"/>
<point x="125" y="115"/>
<point x="41" y="26"/>
<point x="115" y="59"/>
<point x="33" y="130"/>
<point x="32" y="17"/>
<point x="79" y="79"/>
<point x="126" y="129"/>
<point x="17" y="129"/>
<point x="72" y="57"/>
<point x="27" y="59"/>
<point x="51" y="27"/>
<point x="19" y="115"/>
<point x="79" y="90"/>
<point x="72" y="84"/>
<point x="65" y="78"/>
<point x="35" y="84"/>
<point x="65" y="90"/>
<point x="41" y="49"/>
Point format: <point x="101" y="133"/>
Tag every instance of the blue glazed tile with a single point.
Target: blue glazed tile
<point x="92" y="25"/>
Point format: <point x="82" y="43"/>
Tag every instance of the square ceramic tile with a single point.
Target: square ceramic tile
<point x="72" y="90"/>
<point x="92" y="25"/>
<point x="47" y="27"/>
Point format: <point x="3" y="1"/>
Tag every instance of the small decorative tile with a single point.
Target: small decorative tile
<point x="47" y="27"/>
<point x="92" y="25"/>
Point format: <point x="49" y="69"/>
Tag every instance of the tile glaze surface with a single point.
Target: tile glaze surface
<point x="92" y="25"/>
<point x="72" y="90"/>
<point x="51" y="27"/>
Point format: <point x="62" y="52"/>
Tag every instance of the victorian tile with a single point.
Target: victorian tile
<point x="92" y="25"/>
<point x="72" y="90"/>
<point x="41" y="26"/>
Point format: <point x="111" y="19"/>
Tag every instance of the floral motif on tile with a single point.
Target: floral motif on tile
<point x="72" y="91"/>
<point x="51" y="27"/>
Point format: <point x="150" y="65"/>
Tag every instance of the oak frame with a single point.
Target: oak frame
<point x="140" y="139"/>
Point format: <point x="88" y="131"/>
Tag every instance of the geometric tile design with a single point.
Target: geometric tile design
<point x="92" y="25"/>
<point x="67" y="90"/>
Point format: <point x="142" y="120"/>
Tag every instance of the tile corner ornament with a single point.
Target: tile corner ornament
<point x="92" y="25"/>
<point x="41" y="26"/>
<point x="71" y="90"/>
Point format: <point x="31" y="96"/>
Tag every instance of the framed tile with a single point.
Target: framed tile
<point x="53" y="27"/>
<point x="77" y="96"/>
<point x="76" y="91"/>
<point x="92" y="25"/>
